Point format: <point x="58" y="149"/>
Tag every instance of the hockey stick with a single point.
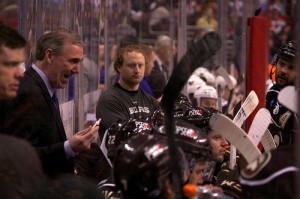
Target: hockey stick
<point x="196" y="55"/>
<point x="288" y="98"/>
<point x="259" y="125"/>
<point x="235" y="135"/>
<point x="246" y="109"/>
<point x="267" y="141"/>
<point x="219" y="100"/>
<point x="222" y="72"/>
<point x="236" y="108"/>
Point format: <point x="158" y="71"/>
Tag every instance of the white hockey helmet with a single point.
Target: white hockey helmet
<point x="194" y="83"/>
<point x="206" y="92"/>
<point x="209" y="77"/>
<point x="200" y="70"/>
<point x="233" y="80"/>
<point x="220" y="81"/>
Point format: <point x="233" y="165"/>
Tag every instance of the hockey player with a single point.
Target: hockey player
<point x="227" y="100"/>
<point x="118" y="133"/>
<point x="194" y="83"/>
<point x="142" y="168"/>
<point x="193" y="141"/>
<point x="272" y="175"/>
<point x="282" y="128"/>
<point x="207" y="96"/>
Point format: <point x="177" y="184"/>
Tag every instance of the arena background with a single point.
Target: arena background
<point x="105" y="22"/>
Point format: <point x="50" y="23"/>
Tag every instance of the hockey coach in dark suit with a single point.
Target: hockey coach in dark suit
<point x="34" y="114"/>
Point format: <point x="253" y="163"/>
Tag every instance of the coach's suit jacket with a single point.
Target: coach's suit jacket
<point x="157" y="80"/>
<point x="32" y="116"/>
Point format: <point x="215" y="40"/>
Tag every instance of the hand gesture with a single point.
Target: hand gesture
<point x="82" y="140"/>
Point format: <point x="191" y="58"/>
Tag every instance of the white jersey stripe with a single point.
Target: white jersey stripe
<point x="268" y="179"/>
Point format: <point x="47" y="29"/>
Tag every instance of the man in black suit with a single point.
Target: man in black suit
<point x="34" y="116"/>
<point x="160" y="73"/>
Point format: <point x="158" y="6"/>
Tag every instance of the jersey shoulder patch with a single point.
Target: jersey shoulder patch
<point x="255" y="167"/>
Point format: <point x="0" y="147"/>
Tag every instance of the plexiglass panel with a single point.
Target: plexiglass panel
<point x="106" y="25"/>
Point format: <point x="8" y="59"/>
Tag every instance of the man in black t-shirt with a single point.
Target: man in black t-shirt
<point x="124" y="99"/>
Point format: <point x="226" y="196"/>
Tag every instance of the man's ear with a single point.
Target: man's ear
<point x="49" y="55"/>
<point x="168" y="190"/>
<point x="118" y="69"/>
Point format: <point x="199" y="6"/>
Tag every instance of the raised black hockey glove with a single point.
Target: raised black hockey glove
<point x="228" y="180"/>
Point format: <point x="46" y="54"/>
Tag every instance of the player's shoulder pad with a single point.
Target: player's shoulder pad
<point x="270" y="166"/>
<point x="256" y="166"/>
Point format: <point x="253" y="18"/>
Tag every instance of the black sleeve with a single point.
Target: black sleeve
<point x="109" y="191"/>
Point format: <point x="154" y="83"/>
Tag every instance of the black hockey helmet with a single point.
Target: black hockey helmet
<point x="121" y="131"/>
<point x="180" y="107"/>
<point x="142" y="164"/>
<point x="181" y="103"/>
<point x="199" y="116"/>
<point x="157" y="118"/>
<point x="191" y="139"/>
<point x="287" y="52"/>
<point x="181" y="98"/>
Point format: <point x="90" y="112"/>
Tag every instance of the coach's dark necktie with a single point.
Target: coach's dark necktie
<point x="56" y="104"/>
<point x="165" y="72"/>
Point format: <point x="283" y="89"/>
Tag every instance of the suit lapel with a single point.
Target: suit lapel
<point x="45" y="93"/>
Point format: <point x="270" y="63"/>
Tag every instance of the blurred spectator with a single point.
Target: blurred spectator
<point x="9" y="14"/>
<point x="212" y="4"/>
<point x="101" y="66"/>
<point x="160" y="72"/>
<point x="160" y="17"/>
<point x="150" y="57"/>
<point x="234" y="23"/>
<point x="196" y="13"/>
<point x="236" y="7"/>
<point x="208" y="21"/>
<point x="90" y="75"/>
<point x="135" y="15"/>
<point x="279" y="6"/>
<point x="276" y="20"/>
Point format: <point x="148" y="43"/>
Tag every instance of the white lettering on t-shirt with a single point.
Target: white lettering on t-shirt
<point x="139" y="109"/>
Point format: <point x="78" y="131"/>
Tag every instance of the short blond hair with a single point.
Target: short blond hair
<point x="130" y="48"/>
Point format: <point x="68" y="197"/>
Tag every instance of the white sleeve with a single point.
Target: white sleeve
<point x="104" y="149"/>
